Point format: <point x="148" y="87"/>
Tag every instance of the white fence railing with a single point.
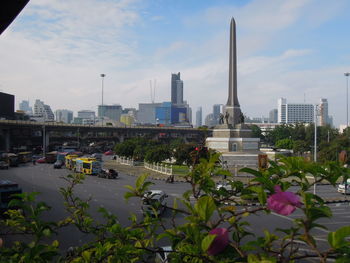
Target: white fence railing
<point x="160" y="168"/>
<point x="125" y="160"/>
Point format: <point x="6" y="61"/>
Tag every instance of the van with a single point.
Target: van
<point x="154" y="201"/>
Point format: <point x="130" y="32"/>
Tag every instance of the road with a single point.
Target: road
<point x="110" y="194"/>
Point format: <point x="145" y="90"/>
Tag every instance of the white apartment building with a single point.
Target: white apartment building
<point x="291" y="113"/>
<point x="43" y="110"/>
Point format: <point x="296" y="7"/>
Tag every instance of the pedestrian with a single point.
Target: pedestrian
<point x="34" y="161"/>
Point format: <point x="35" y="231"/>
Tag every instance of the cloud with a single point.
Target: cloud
<point x="56" y="50"/>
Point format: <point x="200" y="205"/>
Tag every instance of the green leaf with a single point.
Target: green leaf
<point x="46" y="232"/>
<point x="205" y="207"/>
<point x="206" y="242"/>
<point x="337" y="239"/>
<point x="251" y="171"/>
<point x="86" y="255"/>
<point x="127" y="195"/>
<point x="140" y="181"/>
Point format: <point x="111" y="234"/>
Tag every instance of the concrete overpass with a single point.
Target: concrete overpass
<point x="15" y="134"/>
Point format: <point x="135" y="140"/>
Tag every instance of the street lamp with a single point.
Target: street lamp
<point x="102" y="111"/>
<point x="347" y="74"/>
<point x="315" y="144"/>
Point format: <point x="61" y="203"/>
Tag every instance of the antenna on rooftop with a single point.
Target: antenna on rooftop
<point x="304" y="97"/>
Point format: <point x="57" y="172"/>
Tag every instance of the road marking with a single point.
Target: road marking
<point x="290" y="219"/>
<point x="333" y="223"/>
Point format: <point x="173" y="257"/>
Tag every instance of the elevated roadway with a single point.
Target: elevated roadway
<point x="16" y="133"/>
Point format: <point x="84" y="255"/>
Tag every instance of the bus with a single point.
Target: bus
<point x="24" y="157"/>
<point x="89" y="166"/>
<point x="70" y="161"/>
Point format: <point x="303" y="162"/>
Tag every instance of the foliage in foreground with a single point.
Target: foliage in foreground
<point x="215" y="226"/>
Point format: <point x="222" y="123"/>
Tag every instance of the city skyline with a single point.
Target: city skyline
<point x="287" y="49"/>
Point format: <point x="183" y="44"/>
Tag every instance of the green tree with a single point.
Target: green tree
<point x="300" y="147"/>
<point x="158" y="154"/>
<point x="256" y="132"/>
<point x="285" y="144"/>
<point x="182" y="153"/>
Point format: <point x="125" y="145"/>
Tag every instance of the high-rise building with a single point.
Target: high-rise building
<point x="164" y="113"/>
<point x="86" y="114"/>
<point x="176" y="89"/>
<point x="113" y="112"/>
<point x="323" y="112"/>
<point x="295" y="112"/>
<point x="43" y="111"/>
<point x="65" y="116"/>
<point x="216" y="113"/>
<point x="24" y="106"/>
<point x="209" y="120"/>
<point x="273" y="116"/>
<point x="199" y="117"/>
<point x="147" y="113"/>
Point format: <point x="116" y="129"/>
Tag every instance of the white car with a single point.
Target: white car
<point x="228" y="187"/>
<point x="163" y="255"/>
<point x="154" y="199"/>
<point x="344" y="188"/>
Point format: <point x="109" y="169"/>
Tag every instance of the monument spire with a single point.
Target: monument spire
<point x="232" y="83"/>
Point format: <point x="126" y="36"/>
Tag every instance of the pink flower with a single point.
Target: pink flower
<point x="283" y="203"/>
<point x="220" y="242"/>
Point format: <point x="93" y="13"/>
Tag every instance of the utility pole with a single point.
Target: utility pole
<point x="102" y="109"/>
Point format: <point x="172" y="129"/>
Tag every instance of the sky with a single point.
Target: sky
<point x="56" y="50"/>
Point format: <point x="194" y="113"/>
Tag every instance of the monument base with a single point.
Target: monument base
<point x="236" y="145"/>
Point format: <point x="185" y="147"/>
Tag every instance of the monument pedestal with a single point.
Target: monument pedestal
<point x="237" y="146"/>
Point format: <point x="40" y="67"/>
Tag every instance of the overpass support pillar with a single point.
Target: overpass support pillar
<point x="7" y="140"/>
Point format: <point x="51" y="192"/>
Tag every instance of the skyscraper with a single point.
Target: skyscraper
<point x="176" y="89"/>
<point x="199" y="117"/>
<point x="323" y="112"/>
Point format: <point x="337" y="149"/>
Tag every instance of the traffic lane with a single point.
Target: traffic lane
<point x="103" y="192"/>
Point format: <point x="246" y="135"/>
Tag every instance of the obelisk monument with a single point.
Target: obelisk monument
<point x="232" y="106"/>
<point x="232" y="137"/>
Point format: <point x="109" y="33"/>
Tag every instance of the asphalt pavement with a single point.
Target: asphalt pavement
<point x="109" y="193"/>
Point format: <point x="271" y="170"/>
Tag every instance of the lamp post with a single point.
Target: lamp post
<point x="315" y="143"/>
<point x="347" y="74"/>
<point x="102" y="110"/>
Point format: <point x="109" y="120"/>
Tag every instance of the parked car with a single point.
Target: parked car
<point x="154" y="201"/>
<point x="4" y="165"/>
<point x="58" y="164"/>
<point x="110" y="152"/>
<point x="344" y="188"/>
<point x="225" y="186"/>
<point x="162" y="256"/>
<point x="41" y="160"/>
<point x="108" y="173"/>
